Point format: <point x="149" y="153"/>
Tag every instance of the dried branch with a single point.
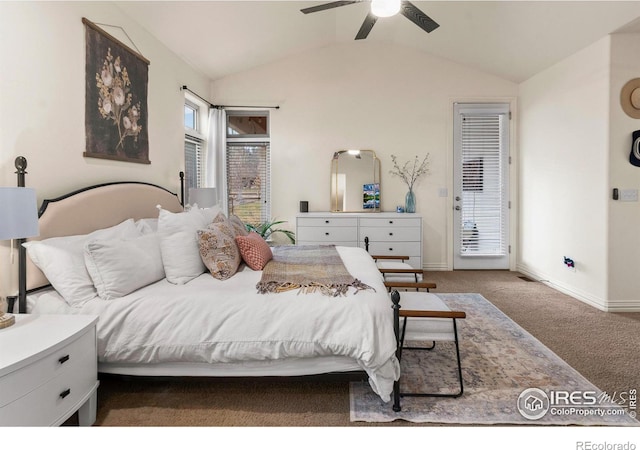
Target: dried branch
<point x="410" y="173"/>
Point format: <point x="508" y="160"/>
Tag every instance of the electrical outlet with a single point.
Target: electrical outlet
<point x="629" y="195"/>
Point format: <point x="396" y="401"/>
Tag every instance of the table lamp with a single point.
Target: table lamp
<point x="18" y="220"/>
<point x="204" y="197"/>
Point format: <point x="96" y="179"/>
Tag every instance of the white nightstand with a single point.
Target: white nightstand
<point x="48" y="370"/>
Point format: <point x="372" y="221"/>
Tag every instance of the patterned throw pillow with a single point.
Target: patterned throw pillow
<point x="218" y="250"/>
<point x="238" y="226"/>
<point x="239" y="229"/>
<point x="254" y="250"/>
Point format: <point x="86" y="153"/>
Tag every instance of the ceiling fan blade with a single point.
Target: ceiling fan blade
<point x="367" y="25"/>
<point x="329" y="5"/>
<point x="411" y="12"/>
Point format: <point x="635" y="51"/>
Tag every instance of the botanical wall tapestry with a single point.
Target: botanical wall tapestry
<point x="116" y="99"/>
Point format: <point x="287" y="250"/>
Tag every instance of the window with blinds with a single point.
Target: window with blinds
<point x="482" y="220"/>
<point x="248" y="181"/>
<point x="193" y="164"/>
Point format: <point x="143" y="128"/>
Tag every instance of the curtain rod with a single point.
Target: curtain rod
<point x="185" y="88"/>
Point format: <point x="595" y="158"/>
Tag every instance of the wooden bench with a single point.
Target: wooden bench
<point x="425" y="318"/>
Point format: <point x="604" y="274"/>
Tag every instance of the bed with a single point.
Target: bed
<point x="204" y="326"/>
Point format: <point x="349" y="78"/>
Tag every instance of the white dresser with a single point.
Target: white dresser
<point x="387" y="233"/>
<point x="48" y="370"/>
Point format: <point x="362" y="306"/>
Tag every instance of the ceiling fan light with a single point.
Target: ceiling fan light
<point x="385" y="8"/>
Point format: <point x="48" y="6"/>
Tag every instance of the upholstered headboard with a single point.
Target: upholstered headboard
<point x="94" y="208"/>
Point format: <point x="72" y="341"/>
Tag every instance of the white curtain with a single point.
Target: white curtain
<point x="216" y="174"/>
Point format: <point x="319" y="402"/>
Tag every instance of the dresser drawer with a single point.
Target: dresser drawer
<point x="78" y="355"/>
<point x="53" y="401"/>
<point x="327" y="234"/>
<point x="394" y="248"/>
<point x="341" y="244"/>
<point x="392" y="234"/>
<point x="390" y="222"/>
<point x="327" y="222"/>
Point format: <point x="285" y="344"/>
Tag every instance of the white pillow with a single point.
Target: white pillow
<point x="121" y="266"/>
<point x="179" y="242"/>
<point x="194" y="217"/>
<point x="61" y="259"/>
<point x="146" y="226"/>
<point x="177" y="251"/>
<point x="207" y="213"/>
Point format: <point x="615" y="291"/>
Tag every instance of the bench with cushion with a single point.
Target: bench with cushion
<point x="423" y="317"/>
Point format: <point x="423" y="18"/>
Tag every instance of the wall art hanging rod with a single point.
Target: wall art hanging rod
<point x="211" y="105"/>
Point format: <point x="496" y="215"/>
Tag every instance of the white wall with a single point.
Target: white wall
<point x="575" y="141"/>
<point x="42" y="95"/>
<point x="624" y="229"/>
<point x="563" y="176"/>
<point x="364" y="95"/>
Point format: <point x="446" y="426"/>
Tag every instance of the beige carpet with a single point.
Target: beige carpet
<point x="603" y="347"/>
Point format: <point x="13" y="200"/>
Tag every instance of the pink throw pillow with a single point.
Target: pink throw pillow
<point x="254" y="250"/>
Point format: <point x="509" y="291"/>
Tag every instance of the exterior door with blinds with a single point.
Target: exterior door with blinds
<point x="481" y="186"/>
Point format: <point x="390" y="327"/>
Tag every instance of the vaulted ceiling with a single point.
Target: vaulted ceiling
<point x="510" y="39"/>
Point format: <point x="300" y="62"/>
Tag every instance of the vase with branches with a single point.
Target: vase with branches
<point x="410" y="172"/>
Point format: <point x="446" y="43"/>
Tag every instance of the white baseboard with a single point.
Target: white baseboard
<point x="589" y="299"/>
<point x="435" y="266"/>
<point x="624" y="306"/>
<point x="599" y="303"/>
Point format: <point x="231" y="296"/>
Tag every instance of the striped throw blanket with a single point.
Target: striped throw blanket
<point x="308" y="268"/>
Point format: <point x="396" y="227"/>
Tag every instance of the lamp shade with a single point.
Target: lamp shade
<point x="18" y="213"/>
<point x="204" y="197"/>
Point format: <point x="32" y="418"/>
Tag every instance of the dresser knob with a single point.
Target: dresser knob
<point x="391" y="221"/>
<point x="390" y="234"/>
<point x="326" y="221"/>
<point x="64" y="359"/>
<point x="390" y="249"/>
<point x="63" y="394"/>
<point x="326" y="234"/>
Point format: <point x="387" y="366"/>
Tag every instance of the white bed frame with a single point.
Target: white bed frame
<point x="105" y="205"/>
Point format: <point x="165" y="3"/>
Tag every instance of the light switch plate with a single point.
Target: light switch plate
<point x="629" y="195"/>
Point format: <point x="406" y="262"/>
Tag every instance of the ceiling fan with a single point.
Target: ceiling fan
<point x="382" y="8"/>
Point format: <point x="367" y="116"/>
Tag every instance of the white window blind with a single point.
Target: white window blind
<point x="248" y="181"/>
<point x="193" y="163"/>
<point x="482" y="220"/>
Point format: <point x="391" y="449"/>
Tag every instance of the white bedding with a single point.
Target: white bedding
<point x="213" y="321"/>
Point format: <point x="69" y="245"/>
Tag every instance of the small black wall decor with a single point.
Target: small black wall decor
<point x="634" y="156"/>
<point x="116" y="110"/>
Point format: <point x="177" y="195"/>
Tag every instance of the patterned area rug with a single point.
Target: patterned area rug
<point x="500" y="361"/>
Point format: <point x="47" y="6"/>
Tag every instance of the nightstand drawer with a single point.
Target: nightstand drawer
<point x="78" y="355"/>
<point x="327" y="235"/>
<point x="50" y="403"/>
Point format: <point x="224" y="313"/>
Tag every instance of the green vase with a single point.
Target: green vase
<point x="410" y="202"/>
